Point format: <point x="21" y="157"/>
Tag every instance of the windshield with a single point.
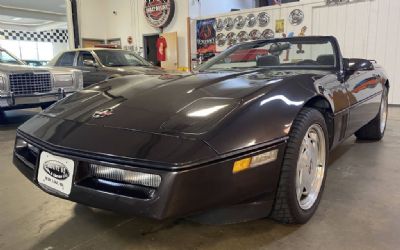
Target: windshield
<point x="278" y="53"/>
<point x="120" y="58"/>
<point x="6" y="57"/>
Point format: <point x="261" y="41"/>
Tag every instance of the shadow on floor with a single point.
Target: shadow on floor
<point x="10" y="120"/>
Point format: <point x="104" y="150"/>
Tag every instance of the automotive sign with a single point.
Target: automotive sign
<point x="159" y="13"/>
<point x="206" y="36"/>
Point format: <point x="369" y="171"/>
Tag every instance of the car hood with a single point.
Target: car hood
<point x="13" y="68"/>
<point x="168" y="104"/>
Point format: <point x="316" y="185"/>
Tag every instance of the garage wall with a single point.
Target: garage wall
<point x="372" y="33"/>
<point x="214" y="7"/>
<point x="92" y="19"/>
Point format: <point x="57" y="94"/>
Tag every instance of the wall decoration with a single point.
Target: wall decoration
<point x="219" y="25"/>
<point x="231" y="38"/>
<point x="221" y="39"/>
<point x="240" y="22"/>
<point x="229" y="23"/>
<point x="268" y="34"/>
<point x="280" y="26"/>
<point x="51" y="36"/>
<point x="263" y="19"/>
<point x="251" y="20"/>
<point x="255" y="34"/>
<point x="242" y="36"/>
<point x="159" y="13"/>
<point x="206" y="34"/>
<point x="296" y="17"/>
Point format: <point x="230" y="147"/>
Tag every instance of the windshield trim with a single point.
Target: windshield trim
<point x="306" y="39"/>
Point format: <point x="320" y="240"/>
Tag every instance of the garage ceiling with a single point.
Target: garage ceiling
<point x="32" y="13"/>
<point x="55" y="6"/>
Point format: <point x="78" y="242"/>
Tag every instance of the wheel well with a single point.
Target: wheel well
<point x="325" y="108"/>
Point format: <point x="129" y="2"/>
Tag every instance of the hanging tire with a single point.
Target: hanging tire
<point x="303" y="170"/>
<point x="375" y="129"/>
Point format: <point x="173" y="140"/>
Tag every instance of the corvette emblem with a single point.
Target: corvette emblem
<point x="102" y="113"/>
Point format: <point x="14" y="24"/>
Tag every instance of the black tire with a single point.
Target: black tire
<point x="286" y="208"/>
<point x="373" y="131"/>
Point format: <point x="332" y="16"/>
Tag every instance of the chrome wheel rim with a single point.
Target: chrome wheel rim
<point x="310" y="167"/>
<point x="383" y="113"/>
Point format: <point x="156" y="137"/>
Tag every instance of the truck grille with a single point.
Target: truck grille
<point x="30" y="83"/>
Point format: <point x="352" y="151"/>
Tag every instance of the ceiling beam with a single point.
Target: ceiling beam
<point x="34" y="14"/>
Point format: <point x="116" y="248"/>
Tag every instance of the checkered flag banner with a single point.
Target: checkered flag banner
<point x="52" y="36"/>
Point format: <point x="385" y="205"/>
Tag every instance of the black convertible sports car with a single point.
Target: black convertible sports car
<point x="248" y="133"/>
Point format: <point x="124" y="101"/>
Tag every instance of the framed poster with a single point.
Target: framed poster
<point x="280" y="26"/>
<point x="206" y="36"/>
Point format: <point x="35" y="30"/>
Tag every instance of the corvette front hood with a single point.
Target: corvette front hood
<point x="164" y="151"/>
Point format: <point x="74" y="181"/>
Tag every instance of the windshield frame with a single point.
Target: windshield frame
<point x="19" y="62"/>
<point x="144" y="62"/>
<point x="306" y="39"/>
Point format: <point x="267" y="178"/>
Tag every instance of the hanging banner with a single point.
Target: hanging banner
<point x="206" y="36"/>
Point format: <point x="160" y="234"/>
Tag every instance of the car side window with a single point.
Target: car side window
<point x="66" y="59"/>
<point x="84" y="55"/>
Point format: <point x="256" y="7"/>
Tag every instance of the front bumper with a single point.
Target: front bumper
<point x="181" y="193"/>
<point x="11" y="101"/>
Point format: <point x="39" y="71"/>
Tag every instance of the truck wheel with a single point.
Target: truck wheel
<point x="375" y="129"/>
<point x="303" y="170"/>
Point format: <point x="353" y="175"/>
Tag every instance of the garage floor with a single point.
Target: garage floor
<point x="360" y="209"/>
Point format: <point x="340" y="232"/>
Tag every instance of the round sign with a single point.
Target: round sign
<point x="159" y="13"/>
<point x="130" y="40"/>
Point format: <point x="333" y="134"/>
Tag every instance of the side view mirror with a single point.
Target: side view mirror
<point x="90" y="63"/>
<point x="354" y="64"/>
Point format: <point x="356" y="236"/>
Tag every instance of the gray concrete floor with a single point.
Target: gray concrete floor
<point x="360" y="209"/>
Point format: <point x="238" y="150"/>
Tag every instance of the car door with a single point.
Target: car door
<point x="91" y="74"/>
<point x="364" y="94"/>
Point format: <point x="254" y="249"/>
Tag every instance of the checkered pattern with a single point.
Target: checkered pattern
<point x="52" y="36"/>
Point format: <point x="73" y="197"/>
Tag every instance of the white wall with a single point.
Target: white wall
<point x="367" y="29"/>
<point x="92" y="19"/>
<point x="98" y="21"/>
<point x="214" y="7"/>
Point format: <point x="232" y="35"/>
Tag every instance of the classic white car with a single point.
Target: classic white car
<point x="23" y="86"/>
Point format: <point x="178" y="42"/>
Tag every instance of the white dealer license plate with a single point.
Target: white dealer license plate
<point x="56" y="173"/>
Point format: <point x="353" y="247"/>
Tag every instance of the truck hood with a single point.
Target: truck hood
<point x="14" y="68"/>
<point x="167" y="104"/>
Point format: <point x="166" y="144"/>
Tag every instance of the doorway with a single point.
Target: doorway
<point x="150" y="48"/>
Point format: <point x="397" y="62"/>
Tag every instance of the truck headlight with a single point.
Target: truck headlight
<point x="63" y="80"/>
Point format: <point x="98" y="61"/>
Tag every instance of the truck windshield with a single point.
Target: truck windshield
<point x="5" y="57"/>
<point x="120" y="58"/>
<point x="281" y="53"/>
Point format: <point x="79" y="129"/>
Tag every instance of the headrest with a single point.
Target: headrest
<point x="328" y="60"/>
<point x="267" y="61"/>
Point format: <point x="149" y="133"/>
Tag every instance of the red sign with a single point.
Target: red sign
<point x="159" y="13"/>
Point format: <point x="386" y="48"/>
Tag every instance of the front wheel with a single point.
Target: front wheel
<point x="303" y="170"/>
<point x="375" y="129"/>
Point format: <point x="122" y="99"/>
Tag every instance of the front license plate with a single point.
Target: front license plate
<point x="56" y="173"/>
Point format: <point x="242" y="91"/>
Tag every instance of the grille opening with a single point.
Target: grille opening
<point x="30" y="83"/>
<point x="29" y="153"/>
